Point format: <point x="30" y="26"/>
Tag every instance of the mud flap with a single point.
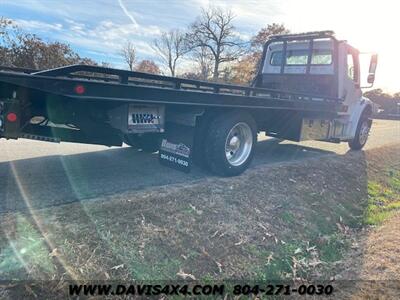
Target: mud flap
<point x="176" y="147"/>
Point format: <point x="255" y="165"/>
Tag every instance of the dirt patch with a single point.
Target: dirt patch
<point x="376" y="254"/>
<point x="373" y="262"/>
<point x="284" y="221"/>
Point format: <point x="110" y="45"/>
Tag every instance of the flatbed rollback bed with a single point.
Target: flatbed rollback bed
<point x="213" y="124"/>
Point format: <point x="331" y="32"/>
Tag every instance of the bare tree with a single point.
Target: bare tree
<point x="170" y="47"/>
<point x="128" y="52"/>
<point x="213" y="29"/>
<point x="204" y="58"/>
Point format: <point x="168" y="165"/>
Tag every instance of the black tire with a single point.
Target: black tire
<point x="148" y="143"/>
<point x="358" y="142"/>
<point x="220" y="127"/>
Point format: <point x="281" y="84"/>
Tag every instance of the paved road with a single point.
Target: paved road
<point x="38" y="174"/>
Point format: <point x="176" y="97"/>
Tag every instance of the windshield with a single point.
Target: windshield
<point x="300" y="57"/>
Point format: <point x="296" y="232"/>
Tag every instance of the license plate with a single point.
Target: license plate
<point x="145" y="118"/>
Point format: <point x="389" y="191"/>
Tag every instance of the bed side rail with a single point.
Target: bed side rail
<point x="18" y="70"/>
<point x="138" y="78"/>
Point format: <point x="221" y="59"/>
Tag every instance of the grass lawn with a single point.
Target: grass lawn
<point x="287" y="221"/>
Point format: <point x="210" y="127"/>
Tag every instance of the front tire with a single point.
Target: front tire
<point x="362" y="132"/>
<point x="230" y="143"/>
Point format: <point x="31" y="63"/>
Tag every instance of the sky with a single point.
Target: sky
<point x="99" y="28"/>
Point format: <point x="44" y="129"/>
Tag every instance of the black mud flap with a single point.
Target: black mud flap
<point x="176" y="147"/>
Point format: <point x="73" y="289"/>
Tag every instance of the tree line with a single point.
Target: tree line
<point x="389" y="104"/>
<point x="25" y="50"/>
<point x="210" y="45"/>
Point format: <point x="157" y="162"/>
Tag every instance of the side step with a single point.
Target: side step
<point x="39" y="138"/>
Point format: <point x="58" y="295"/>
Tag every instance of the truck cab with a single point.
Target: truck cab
<point x="317" y="63"/>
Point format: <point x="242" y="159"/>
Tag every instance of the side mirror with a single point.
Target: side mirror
<point x="372" y="69"/>
<point x="371" y="78"/>
<point x="373" y="64"/>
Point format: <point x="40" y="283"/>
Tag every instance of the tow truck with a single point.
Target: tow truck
<point x="307" y="88"/>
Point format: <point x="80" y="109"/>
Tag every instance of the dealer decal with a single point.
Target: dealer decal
<point x="176" y="156"/>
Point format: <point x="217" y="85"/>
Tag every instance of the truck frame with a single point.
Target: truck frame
<point x="304" y="89"/>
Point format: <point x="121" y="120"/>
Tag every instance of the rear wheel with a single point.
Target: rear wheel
<point x="230" y="143"/>
<point x="362" y="132"/>
<point x="148" y="142"/>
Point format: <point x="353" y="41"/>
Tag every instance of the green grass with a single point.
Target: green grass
<point x="26" y="250"/>
<point x="333" y="249"/>
<point x="280" y="267"/>
<point x="324" y="227"/>
<point x="158" y="270"/>
<point x="383" y="199"/>
<point x="151" y="263"/>
<point x="331" y="244"/>
<point x="287" y="217"/>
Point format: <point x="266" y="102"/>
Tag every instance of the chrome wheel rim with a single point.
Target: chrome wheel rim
<point x="364" y="132"/>
<point x="238" y="144"/>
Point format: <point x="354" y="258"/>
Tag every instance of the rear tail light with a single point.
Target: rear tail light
<point x="12" y="117"/>
<point x="79" y="89"/>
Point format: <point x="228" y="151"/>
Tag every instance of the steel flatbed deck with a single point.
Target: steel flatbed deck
<point x="120" y="85"/>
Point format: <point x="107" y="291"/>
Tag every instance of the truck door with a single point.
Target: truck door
<point x="351" y="79"/>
